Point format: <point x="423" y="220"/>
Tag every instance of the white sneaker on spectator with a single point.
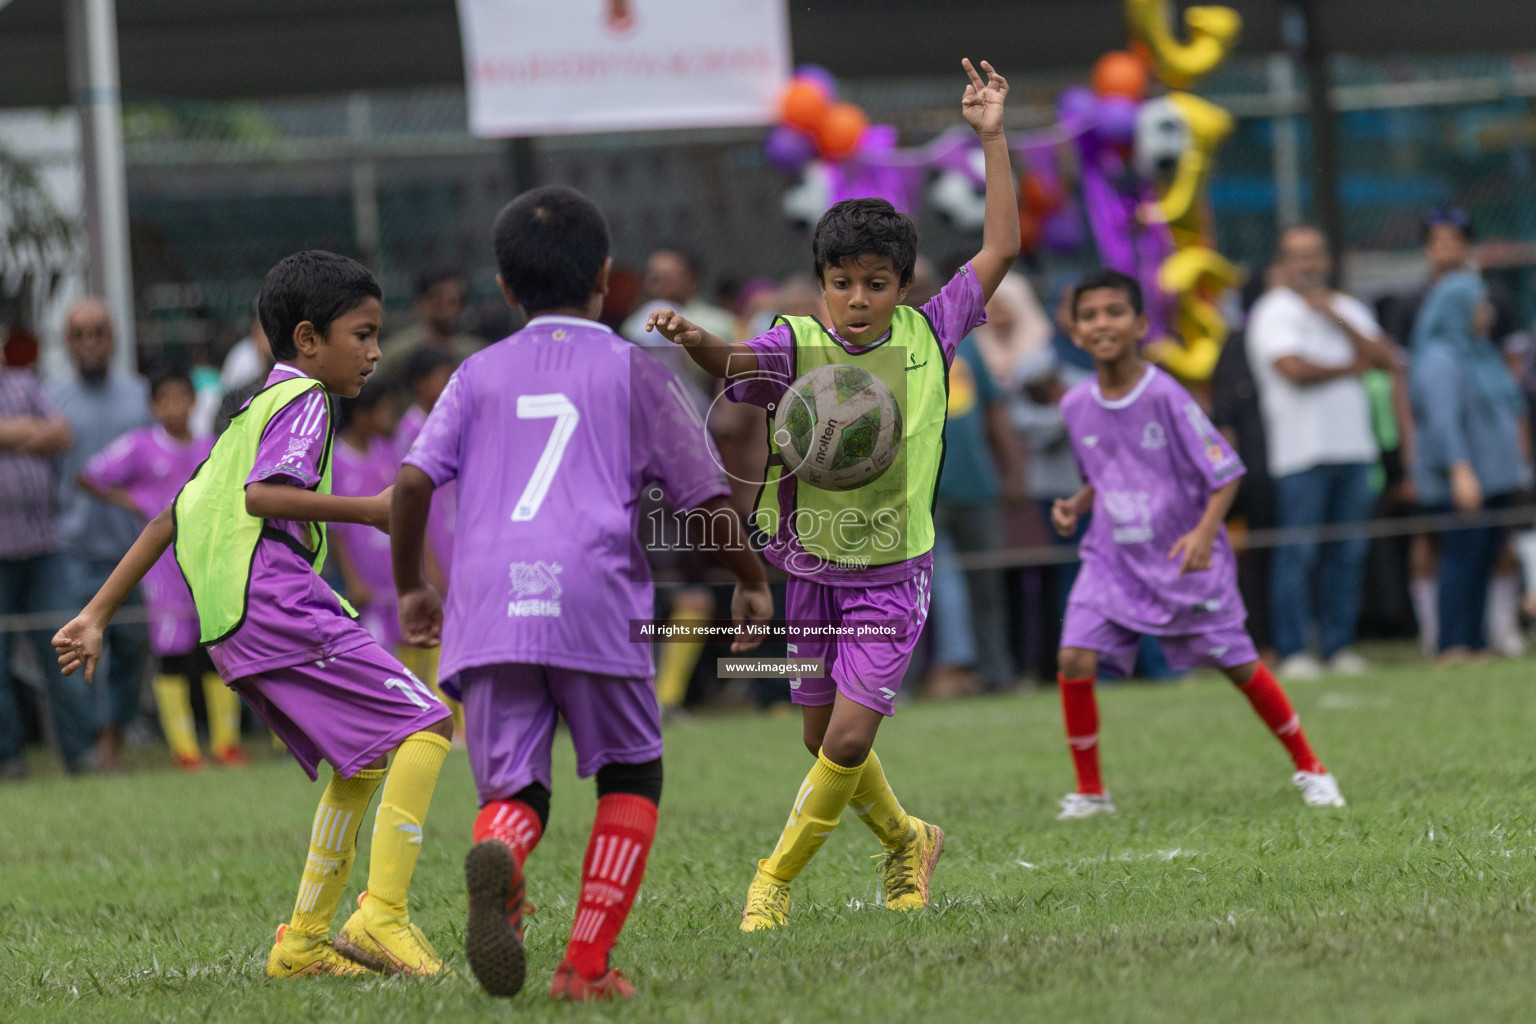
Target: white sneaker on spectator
<point x="1081" y="805"/>
<point x="1299" y="666"/>
<point x="1318" y="789"/>
<point x="1348" y="663"/>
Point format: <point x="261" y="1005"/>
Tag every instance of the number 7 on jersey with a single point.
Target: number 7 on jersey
<point x="542" y="407"/>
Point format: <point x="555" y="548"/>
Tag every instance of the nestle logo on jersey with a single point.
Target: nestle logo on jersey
<point x="535" y="578"/>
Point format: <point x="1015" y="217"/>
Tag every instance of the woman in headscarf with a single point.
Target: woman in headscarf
<point x="1015" y="327"/>
<point x="1471" y="450"/>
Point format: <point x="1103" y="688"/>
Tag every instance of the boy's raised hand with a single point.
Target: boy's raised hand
<point x="982" y="105"/>
<point x="675" y="328"/>
<point x="78" y="643"/>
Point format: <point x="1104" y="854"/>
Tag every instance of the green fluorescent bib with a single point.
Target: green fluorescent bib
<point x="216" y="538"/>
<point x="889" y="519"/>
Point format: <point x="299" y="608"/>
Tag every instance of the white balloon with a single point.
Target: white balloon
<point x="806" y="202"/>
<point x="957" y="200"/>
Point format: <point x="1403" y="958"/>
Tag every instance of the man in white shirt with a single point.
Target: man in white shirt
<point x="1308" y="346"/>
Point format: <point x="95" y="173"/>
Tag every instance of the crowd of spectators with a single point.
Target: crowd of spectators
<point x="1339" y="420"/>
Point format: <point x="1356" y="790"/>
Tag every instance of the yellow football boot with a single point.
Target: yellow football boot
<point x="908" y="868"/>
<point x="296" y="955"/>
<point x="767" y="904"/>
<point x="379" y="939"/>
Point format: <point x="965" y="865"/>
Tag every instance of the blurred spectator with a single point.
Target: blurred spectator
<point x="33" y="578"/>
<point x="925" y="283"/>
<point x="1448" y="237"/>
<point x="1471" y="450"/>
<point x="1308" y="346"/>
<point x="672" y="279"/>
<point x="437" y="304"/>
<point x="101" y="405"/>
<point x="247" y="363"/>
<point x="982" y="464"/>
<point x="1235" y="412"/>
<point x="1050" y="469"/>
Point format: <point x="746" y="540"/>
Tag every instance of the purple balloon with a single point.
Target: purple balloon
<point x="821" y="76"/>
<point x="1116" y="120"/>
<point x="1077" y="105"/>
<point x="787" y="149"/>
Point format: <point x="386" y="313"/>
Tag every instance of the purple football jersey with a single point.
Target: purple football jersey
<point x="1153" y="459"/>
<point x="553" y="434"/>
<point x="292" y="615"/>
<point x="958" y="308"/>
<point x="359" y="474"/>
<point x="151" y="466"/>
<point x="445" y="500"/>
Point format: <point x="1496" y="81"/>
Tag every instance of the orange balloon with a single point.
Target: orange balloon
<point x="840" y="131"/>
<point x="803" y="106"/>
<point x="1119" y="73"/>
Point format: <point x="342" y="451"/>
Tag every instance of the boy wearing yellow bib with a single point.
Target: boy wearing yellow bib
<point x="863" y="556"/>
<point x="249" y="536"/>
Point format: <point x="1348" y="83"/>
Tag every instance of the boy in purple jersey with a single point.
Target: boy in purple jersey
<point x="1159" y="481"/>
<point x="249" y="536"/>
<point x="865" y="253"/>
<point x="552" y="435"/>
<point x="141" y="472"/>
<point x="365" y="464"/>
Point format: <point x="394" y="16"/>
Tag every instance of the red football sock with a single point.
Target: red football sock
<point x="1268" y="698"/>
<point x="514" y="823"/>
<point x="610" y="878"/>
<point x="1081" y="711"/>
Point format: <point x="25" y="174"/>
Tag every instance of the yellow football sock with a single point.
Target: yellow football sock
<point x="223" y="714"/>
<point x="173" y="699"/>
<point x="819" y="804"/>
<point x="877" y="806"/>
<point x="423" y="661"/>
<point x="332" y="848"/>
<point x="675" y="666"/>
<point x="403" y="808"/>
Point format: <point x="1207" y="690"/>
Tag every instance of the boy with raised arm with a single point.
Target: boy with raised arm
<point x="249" y="536"/>
<point x="552" y="435"/>
<point x="864" y="254"/>
<point x="1159" y="481"/>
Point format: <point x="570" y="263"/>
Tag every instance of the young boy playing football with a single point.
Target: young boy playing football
<point x="1159" y="482"/>
<point x="141" y="472"/>
<point x="552" y="435"/>
<point x="249" y="536"/>
<point x="879" y="568"/>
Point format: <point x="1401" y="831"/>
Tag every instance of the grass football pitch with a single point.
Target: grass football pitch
<point x="1213" y="896"/>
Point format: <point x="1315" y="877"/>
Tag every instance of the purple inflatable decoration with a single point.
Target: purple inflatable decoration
<point x="1111" y="195"/>
<point x="1116" y="124"/>
<point x="821" y="76"/>
<point x="1077" y="107"/>
<point x="787" y="149"/>
<point x="1062" y="231"/>
<point x="872" y="171"/>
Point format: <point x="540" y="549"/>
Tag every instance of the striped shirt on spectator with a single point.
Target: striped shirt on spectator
<point x="26" y="489"/>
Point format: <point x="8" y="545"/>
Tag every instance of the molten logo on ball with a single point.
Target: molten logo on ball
<point x="838" y="427"/>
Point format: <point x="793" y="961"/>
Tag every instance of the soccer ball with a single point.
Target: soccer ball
<point x="838" y="427"/>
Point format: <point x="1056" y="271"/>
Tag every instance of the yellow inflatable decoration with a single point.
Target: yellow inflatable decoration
<point x="1186" y="131"/>
<point x="1213" y="31"/>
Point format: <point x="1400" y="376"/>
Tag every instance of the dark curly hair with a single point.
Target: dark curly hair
<point x="312" y="285"/>
<point x="1105" y="277"/>
<point x="865" y="227"/>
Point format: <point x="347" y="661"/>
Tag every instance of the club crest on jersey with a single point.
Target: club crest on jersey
<point x="535" y="588"/>
<point x="1153" y="436"/>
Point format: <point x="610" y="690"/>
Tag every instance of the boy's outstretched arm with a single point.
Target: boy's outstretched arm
<point x="296" y="504"/>
<point x="982" y="107"/>
<point x="1196" y="545"/>
<point x="421" y="610"/>
<point x="716" y="356"/>
<point x="79" y="642"/>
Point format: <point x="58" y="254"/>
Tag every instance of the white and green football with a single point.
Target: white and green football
<point x="838" y="427"/>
